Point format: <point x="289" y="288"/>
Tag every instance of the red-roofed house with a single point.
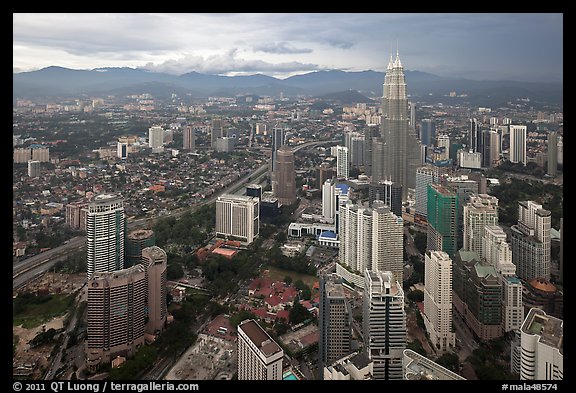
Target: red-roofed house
<point x="273" y="303"/>
<point x="283" y="314"/>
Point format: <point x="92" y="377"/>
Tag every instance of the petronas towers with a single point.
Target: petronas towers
<point x="396" y="151"/>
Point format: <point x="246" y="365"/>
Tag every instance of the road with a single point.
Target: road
<point x="26" y="270"/>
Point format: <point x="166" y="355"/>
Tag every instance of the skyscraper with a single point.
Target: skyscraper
<point x="334" y="321"/>
<point x="277" y="143"/>
<point x="259" y="356"/>
<point x="155" y="137"/>
<point x="217" y="131"/>
<point x="136" y="241"/>
<point x="384" y="324"/>
<point x="189" y="138"/>
<point x="237" y="218"/>
<point x="424" y="176"/>
<point x="442" y="217"/>
<point x="474" y="136"/>
<point x="427" y="132"/>
<point x="401" y="155"/>
<point x="387" y="192"/>
<point x="518" y="144"/>
<point x="553" y="153"/>
<point x="371" y="238"/>
<point x="116" y="314"/>
<point x="531" y="241"/>
<point x="105" y="233"/>
<point x="33" y="168"/>
<point x="342" y="162"/>
<point x="155" y="260"/>
<point x="438" y="299"/>
<point x="481" y="211"/>
<point x="285" y="176"/>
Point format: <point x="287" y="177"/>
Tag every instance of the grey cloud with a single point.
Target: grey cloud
<point x="280" y="47"/>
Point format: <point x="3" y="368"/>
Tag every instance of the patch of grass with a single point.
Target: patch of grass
<point x="278" y="274"/>
<point x="32" y="313"/>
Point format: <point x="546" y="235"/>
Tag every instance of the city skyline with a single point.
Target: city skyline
<point x="517" y="46"/>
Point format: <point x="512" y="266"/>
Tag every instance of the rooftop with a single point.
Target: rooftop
<point x="549" y="328"/>
<point x="259" y="337"/>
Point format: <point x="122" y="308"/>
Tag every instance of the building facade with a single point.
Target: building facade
<point x="237" y="218"/>
<point x="155" y="260"/>
<point x="259" y="356"/>
<point x="518" y="144"/>
<point x="481" y="211"/>
<point x="284" y="180"/>
<point x="442" y="217"/>
<point x="105" y="233"/>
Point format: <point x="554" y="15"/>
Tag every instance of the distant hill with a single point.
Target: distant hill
<point x="58" y="81"/>
<point x="347" y="97"/>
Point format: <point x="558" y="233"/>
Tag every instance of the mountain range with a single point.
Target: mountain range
<point x="61" y="82"/>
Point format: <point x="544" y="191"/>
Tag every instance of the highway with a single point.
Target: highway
<point x="25" y="270"/>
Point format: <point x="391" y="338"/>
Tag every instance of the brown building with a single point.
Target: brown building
<point x="155" y="260"/>
<point x="542" y="294"/>
<point x="285" y="176"/>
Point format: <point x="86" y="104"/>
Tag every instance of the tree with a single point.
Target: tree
<point x="298" y="313"/>
<point x="288" y="280"/>
<point x="416" y="295"/>
<point x="450" y="361"/>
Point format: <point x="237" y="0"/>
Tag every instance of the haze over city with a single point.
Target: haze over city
<point x="491" y="46"/>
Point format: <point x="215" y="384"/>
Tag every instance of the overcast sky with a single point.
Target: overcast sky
<point x="524" y="46"/>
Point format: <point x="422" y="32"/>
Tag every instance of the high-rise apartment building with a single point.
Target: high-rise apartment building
<point x="189" y="138"/>
<point x="442" y="217"/>
<point x="542" y="347"/>
<point x="342" y="164"/>
<point x="155" y="260"/>
<point x="335" y="321"/>
<point x="237" y="218"/>
<point x="33" y="168"/>
<point x="116" y="314"/>
<point x="371" y="238"/>
<point x="482" y="210"/>
<point x="334" y="195"/>
<point x="384" y="324"/>
<point x="518" y="144"/>
<point x="155" y="137"/>
<point x="105" y="233"/>
<point x="424" y="176"/>
<point x="284" y="178"/>
<point x="531" y="241"/>
<point x="438" y="299"/>
<point x="259" y="356"/>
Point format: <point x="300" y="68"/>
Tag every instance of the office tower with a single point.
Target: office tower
<point x="356" y="150"/>
<point x="254" y="190"/>
<point x="225" y="144"/>
<point x="387" y="192"/>
<point x="154" y="260"/>
<point x="122" y="150"/>
<point x="285" y="176"/>
<point x="277" y="143"/>
<point x="424" y="176"/>
<point x="518" y="144"/>
<point x="384" y="324"/>
<point x="427" y="132"/>
<point x="105" y="233"/>
<point x="137" y="240"/>
<point x="115" y="314"/>
<point x="544" y="295"/>
<point x="542" y="343"/>
<point x="482" y="210"/>
<point x="438" y="299"/>
<point x="495" y="148"/>
<point x="325" y="172"/>
<point x="560" y="150"/>
<point x="469" y="159"/>
<point x="342" y="164"/>
<point x="189" y="138"/>
<point x="401" y="155"/>
<point x="553" y="153"/>
<point x="474" y="135"/>
<point x="562" y="249"/>
<point x="412" y="106"/>
<point x="334" y="195"/>
<point x="486" y="148"/>
<point x="443" y="140"/>
<point x="442" y="217"/>
<point x="477" y="294"/>
<point x="237" y="218"/>
<point x="259" y="356"/>
<point x="512" y="307"/>
<point x="377" y="167"/>
<point x="464" y="187"/>
<point x="531" y="241"/>
<point x="33" y="168"/>
<point x="155" y="137"/>
<point x="370" y="132"/>
<point x="418" y="367"/>
<point x="335" y="321"/>
<point x="371" y="238"/>
<point x="217" y="131"/>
